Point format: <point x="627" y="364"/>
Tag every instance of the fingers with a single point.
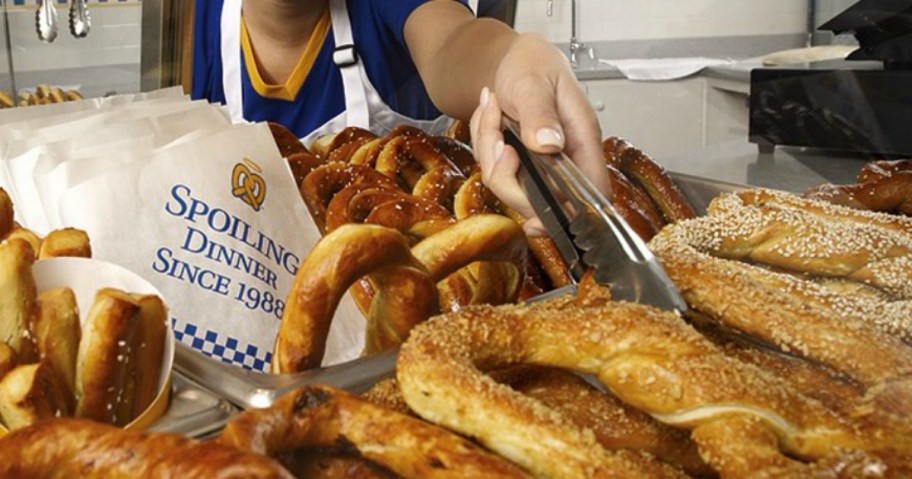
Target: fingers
<point x="500" y="163"/>
<point x="536" y="112"/>
<point x="583" y="141"/>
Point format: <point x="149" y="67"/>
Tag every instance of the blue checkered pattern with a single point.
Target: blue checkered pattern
<point x="226" y="349"/>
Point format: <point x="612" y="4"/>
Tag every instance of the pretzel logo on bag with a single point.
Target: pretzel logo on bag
<point x="247" y="185"/>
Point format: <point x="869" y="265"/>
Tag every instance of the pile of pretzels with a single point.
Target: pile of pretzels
<point x="409" y="208"/>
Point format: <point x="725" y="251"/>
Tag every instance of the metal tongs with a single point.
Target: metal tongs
<point x="588" y="231"/>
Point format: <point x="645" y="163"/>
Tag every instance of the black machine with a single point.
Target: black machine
<point x="862" y="104"/>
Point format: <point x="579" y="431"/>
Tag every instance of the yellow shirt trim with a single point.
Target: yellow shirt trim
<point x="289" y="90"/>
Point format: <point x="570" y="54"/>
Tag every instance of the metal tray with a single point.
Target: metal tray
<point x="248" y="389"/>
<point x="194" y="411"/>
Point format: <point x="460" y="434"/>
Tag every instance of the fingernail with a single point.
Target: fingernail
<point x="498" y="150"/>
<point x="485" y="97"/>
<point x="549" y="137"/>
<point x="533" y="229"/>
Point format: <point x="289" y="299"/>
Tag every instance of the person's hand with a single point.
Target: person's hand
<point x="535" y="85"/>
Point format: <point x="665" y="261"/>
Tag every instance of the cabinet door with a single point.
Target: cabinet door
<point x="657" y="117"/>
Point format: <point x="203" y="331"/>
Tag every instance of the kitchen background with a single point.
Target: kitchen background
<point x="695" y="111"/>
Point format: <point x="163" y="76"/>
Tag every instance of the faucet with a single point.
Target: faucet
<point x="575" y="45"/>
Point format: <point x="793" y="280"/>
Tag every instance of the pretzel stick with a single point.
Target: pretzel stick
<point x="17" y="296"/>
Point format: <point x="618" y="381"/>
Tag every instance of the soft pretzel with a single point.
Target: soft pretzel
<point x="797" y="316"/>
<point x="102" y="364"/>
<point x="56" y="331"/>
<point x="616" y="425"/>
<point x="325" y="465"/>
<point x="408" y="158"/>
<point x="496" y="241"/>
<point x="634" y="206"/>
<point x="651" y="177"/>
<point x="321" y="416"/>
<point x="345" y="152"/>
<point x="822" y="209"/>
<point x="891" y="193"/>
<point x="325" y="144"/>
<point x="286" y="141"/>
<point x="473" y="197"/>
<point x="439" y="185"/>
<point x="404" y="295"/>
<point x="31" y="393"/>
<point x="742" y="446"/>
<point x="17" y="296"/>
<point x="455" y="150"/>
<point x="319" y="187"/>
<point x="649" y="359"/>
<point x="301" y="164"/>
<point x="76" y="448"/>
<point x="795" y="241"/>
<point x="876" y="170"/>
<point x="7" y="359"/>
<point x="342" y="208"/>
<point x="70" y="242"/>
<point x="459" y="130"/>
<point x="6" y="214"/>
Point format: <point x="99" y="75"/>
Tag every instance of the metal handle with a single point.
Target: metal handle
<point x="46" y="21"/>
<point x="80" y="21"/>
<point x="550" y="8"/>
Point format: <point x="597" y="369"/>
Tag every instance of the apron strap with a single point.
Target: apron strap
<point x="473" y="4"/>
<point x="231" y="58"/>
<point x="345" y="56"/>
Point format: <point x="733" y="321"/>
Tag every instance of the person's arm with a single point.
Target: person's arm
<point x="531" y="80"/>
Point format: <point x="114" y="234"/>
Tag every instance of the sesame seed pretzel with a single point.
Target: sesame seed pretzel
<point x="649" y="359"/>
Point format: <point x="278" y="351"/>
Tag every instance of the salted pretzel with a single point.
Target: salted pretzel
<point x="408" y="157"/>
<point x="650" y="176"/>
<point x="319" y="187"/>
<point x="876" y="170"/>
<point x="301" y="164"/>
<point x="343" y="208"/>
<point x="404" y="293"/>
<point x="321" y="416"/>
<point x="459" y="130"/>
<point x="889" y="193"/>
<point x="78" y="448"/>
<point x="495" y="241"/>
<point x="649" y="359"/>
<point x="286" y="141"/>
<point x="456" y="151"/>
<point x="327" y="143"/>
<point x="473" y="197"/>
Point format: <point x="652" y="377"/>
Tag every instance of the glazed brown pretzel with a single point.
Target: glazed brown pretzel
<point x="649" y="359"/>
<point x="404" y="294"/>
<point x="879" y="169"/>
<point x="648" y="174"/>
<point x="889" y="193"/>
<point x="286" y="141"/>
<point x="321" y="416"/>
<point x="319" y="187"/>
<point x="77" y="448"/>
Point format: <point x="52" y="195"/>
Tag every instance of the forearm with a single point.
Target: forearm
<point x="456" y="54"/>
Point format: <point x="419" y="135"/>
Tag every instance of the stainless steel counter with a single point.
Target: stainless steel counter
<point x="789" y="169"/>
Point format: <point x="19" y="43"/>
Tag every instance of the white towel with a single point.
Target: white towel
<point x="659" y="69"/>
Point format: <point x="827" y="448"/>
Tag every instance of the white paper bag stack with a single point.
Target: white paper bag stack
<point x="205" y="210"/>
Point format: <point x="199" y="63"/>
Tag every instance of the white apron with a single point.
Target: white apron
<point x="363" y="105"/>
